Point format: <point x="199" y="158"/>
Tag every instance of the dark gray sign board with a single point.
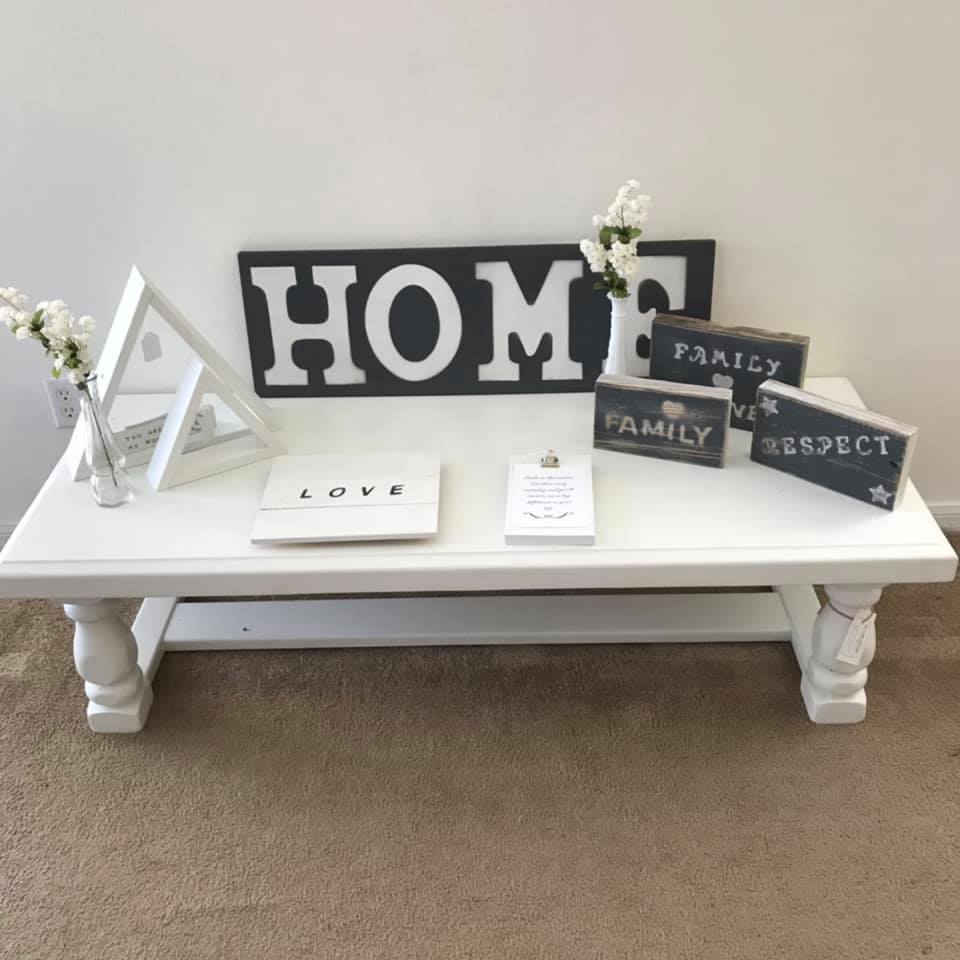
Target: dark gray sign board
<point x="846" y="449"/>
<point x="448" y="320"/>
<point x="653" y="418"/>
<point x="687" y="350"/>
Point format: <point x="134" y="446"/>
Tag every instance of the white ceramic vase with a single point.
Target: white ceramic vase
<point x="616" y="362"/>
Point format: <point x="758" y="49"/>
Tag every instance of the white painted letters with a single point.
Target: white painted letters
<point x="840" y="445"/>
<point x="377" y="318"/>
<point x="531" y="322"/>
<point x="334" y="281"/>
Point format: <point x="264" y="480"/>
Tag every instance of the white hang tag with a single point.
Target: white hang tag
<point x="150" y="344"/>
<point x="852" y="646"/>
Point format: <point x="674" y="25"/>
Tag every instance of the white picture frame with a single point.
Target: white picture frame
<point x="207" y="372"/>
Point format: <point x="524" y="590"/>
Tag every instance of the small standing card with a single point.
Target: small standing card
<point x="550" y="504"/>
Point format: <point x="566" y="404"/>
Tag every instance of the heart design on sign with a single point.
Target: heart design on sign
<point x="673" y="408"/>
<point x="722" y="380"/>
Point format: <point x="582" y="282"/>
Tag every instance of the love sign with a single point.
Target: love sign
<point x="315" y="498"/>
<point x="449" y="320"/>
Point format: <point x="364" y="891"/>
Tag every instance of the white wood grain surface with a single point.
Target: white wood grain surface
<point x="659" y="524"/>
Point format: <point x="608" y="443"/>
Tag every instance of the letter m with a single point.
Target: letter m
<point x="531" y="322"/>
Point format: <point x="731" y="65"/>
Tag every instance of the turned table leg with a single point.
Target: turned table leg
<point x="842" y="646"/>
<point x="105" y="652"/>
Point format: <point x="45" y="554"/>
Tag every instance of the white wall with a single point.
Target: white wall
<point x="816" y="141"/>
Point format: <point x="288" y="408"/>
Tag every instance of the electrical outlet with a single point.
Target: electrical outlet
<point x="64" y="402"/>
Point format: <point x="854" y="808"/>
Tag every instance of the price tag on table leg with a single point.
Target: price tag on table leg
<point x="852" y="646"/>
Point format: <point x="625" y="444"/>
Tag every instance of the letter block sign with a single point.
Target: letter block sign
<point x="451" y="320"/>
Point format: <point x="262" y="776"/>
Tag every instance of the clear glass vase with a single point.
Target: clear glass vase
<point x="110" y="481"/>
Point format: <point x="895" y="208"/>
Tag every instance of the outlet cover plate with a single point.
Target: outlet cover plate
<point x="64" y="402"/>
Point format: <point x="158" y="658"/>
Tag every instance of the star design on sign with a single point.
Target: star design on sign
<point x="769" y="405"/>
<point x="880" y="494"/>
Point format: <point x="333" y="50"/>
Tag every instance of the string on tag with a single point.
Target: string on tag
<point x="851" y="649"/>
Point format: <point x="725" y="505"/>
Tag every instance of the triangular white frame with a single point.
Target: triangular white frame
<point x="207" y="372"/>
<point x="166" y="469"/>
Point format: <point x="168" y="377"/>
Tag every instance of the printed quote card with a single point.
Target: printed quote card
<point x="550" y="504"/>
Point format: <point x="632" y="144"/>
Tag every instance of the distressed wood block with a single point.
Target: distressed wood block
<point x="852" y="451"/>
<point x="686" y="350"/>
<point x="654" y="418"/>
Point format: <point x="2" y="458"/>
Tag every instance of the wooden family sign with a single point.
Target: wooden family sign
<point x="451" y="320"/>
<point x="846" y="449"/>
<point x="655" y="418"/>
<point x="686" y="350"/>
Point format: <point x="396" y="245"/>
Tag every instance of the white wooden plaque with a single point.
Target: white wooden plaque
<point x="323" y="498"/>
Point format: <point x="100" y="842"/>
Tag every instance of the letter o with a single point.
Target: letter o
<point x="377" y="320"/>
<point x="333" y="493"/>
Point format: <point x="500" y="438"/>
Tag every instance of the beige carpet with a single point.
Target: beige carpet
<point x="580" y="803"/>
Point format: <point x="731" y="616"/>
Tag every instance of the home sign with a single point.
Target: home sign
<point x="449" y="320"/>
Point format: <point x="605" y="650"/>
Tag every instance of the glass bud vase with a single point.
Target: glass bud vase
<point x="616" y="362"/>
<point x="110" y="481"/>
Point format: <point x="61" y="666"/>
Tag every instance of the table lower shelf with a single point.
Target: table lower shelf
<point x="119" y="664"/>
<point x="440" y="621"/>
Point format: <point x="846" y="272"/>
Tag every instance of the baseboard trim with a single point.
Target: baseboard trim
<point x="947" y="514"/>
<point x="5" y="530"/>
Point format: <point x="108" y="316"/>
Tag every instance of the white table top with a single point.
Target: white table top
<point x="659" y="524"/>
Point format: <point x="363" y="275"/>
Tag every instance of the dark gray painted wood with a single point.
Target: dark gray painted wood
<point x="654" y="418"/>
<point x="686" y="350"/>
<point x="414" y="321"/>
<point x="854" y="452"/>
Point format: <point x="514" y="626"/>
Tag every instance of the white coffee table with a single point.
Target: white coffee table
<point x="659" y="525"/>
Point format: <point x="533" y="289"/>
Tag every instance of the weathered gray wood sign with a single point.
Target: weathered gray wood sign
<point x="687" y="350"/>
<point x="655" y="418"/>
<point x="846" y="449"/>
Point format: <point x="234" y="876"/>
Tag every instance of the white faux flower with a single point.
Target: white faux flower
<point x="66" y="341"/>
<point x="623" y="258"/>
<point x="14" y="297"/>
<point x="11" y="316"/>
<point x="59" y="325"/>
<point x="595" y="254"/>
<point x="629" y="208"/>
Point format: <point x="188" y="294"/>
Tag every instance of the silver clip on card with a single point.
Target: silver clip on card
<point x="549" y="459"/>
